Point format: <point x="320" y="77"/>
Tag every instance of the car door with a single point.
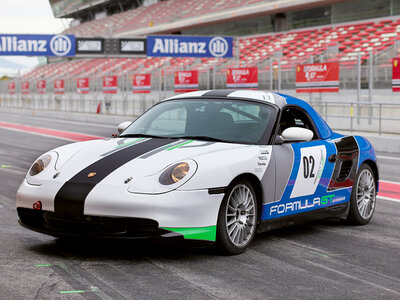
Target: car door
<point x="302" y="169"/>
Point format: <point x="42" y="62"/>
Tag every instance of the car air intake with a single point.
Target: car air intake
<point x="345" y="170"/>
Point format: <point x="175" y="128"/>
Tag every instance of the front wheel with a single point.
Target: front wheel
<point x="237" y="218"/>
<point x="363" y="197"/>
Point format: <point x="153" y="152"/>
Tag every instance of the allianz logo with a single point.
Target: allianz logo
<point x="218" y="46"/>
<point x="59" y="45"/>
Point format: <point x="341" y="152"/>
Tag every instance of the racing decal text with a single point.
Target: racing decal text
<point x="305" y="204"/>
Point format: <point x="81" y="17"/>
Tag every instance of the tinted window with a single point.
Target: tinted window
<point x="293" y="117"/>
<point x="233" y="121"/>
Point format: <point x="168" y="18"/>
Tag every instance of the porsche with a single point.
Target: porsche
<point x="216" y="166"/>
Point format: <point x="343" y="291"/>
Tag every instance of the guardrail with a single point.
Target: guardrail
<point x="374" y="117"/>
<point x="361" y="116"/>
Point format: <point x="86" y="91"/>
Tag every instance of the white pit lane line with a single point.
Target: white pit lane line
<point x="388" y="199"/>
<point x="388" y="157"/>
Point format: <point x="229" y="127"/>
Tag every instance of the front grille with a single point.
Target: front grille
<point x="68" y="224"/>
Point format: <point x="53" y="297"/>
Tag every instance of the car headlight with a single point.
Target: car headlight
<point x="174" y="173"/>
<point x="40" y="164"/>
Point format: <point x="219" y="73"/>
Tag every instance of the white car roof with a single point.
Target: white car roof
<point x="266" y="96"/>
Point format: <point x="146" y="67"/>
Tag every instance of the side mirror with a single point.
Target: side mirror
<point x="123" y="126"/>
<point x="295" y="134"/>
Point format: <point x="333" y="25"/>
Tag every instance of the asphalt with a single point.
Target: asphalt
<point x="324" y="259"/>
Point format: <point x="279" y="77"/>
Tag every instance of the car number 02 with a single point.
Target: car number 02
<point x="311" y="165"/>
<point x="308" y="166"/>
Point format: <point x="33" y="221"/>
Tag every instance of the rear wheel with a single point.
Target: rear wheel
<point x="237" y="218"/>
<point x="363" y="197"/>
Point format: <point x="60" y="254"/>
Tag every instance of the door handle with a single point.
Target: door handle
<point x="333" y="158"/>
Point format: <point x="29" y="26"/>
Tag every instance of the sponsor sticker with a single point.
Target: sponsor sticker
<point x="312" y="164"/>
<point x="189" y="46"/>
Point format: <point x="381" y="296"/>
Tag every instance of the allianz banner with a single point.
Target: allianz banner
<point x="189" y="46"/>
<point x="37" y="45"/>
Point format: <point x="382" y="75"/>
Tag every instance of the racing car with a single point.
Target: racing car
<point x="216" y="166"/>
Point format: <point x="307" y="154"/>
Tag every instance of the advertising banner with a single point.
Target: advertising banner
<point x="133" y="46"/>
<point x="186" y="81"/>
<point x="37" y="45"/>
<point x="110" y="84"/>
<point x="396" y="75"/>
<point x="25" y="87"/>
<point x="82" y="85"/>
<point x="246" y="78"/>
<point x="41" y="86"/>
<point x="317" y="78"/>
<point x="11" y="87"/>
<point x="89" y="46"/>
<point x="189" y="46"/>
<point x="141" y="83"/>
<point x="59" y="86"/>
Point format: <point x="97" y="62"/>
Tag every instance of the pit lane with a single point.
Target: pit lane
<point x="324" y="259"/>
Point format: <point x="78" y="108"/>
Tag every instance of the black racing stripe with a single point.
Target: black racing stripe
<point x="219" y="93"/>
<point x="72" y="195"/>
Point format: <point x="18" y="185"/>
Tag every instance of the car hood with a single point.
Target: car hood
<point x="80" y="157"/>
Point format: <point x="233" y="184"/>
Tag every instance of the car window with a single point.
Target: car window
<point x="294" y="117"/>
<point x="241" y="112"/>
<point x="171" y="121"/>
<point x="227" y="120"/>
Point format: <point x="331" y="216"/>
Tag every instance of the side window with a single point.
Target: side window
<point x="293" y="117"/>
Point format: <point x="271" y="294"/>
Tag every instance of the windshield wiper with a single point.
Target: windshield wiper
<point x="204" y="138"/>
<point x="144" y="136"/>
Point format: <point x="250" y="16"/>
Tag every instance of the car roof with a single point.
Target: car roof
<point x="266" y="96"/>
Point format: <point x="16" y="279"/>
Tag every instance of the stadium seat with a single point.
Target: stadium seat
<point x="296" y="46"/>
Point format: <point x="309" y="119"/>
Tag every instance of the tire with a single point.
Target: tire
<point x="363" y="197"/>
<point x="237" y="218"/>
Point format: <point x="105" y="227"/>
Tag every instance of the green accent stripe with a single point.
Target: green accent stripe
<point x="180" y="145"/>
<point x="128" y="144"/>
<point x="71" y="292"/>
<point x="48" y="265"/>
<point x="196" y="233"/>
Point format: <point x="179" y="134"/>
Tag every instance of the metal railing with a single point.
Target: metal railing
<point x="376" y="117"/>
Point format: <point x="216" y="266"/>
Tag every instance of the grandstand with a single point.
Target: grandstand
<point x="292" y="46"/>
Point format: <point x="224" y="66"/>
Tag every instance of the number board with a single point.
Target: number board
<point x="312" y="165"/>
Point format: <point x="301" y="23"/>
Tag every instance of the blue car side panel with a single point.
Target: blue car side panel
<point x="367" y="152"/>
<point x="321" y="198"/>
<point x="333" y="187"/>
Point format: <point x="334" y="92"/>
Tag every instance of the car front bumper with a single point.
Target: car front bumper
<point x="113" y="212"/>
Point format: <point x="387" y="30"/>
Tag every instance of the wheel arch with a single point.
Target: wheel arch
<point x="256" y="183"/>
<point x="372" y="164"/>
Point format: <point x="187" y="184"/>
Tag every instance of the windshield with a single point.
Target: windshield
<point x="222" y="120"/>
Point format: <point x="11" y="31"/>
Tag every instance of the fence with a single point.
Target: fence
<point x="365" y="101"/>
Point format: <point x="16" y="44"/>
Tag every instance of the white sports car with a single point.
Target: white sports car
<point x="214" y="166"/>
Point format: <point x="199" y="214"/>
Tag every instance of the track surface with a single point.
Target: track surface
<point x="324" y="259"/>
